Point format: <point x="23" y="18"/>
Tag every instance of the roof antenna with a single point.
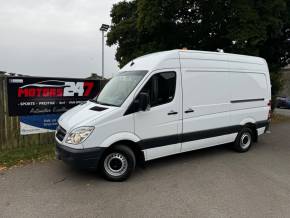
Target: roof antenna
<point x="132" y="63"/>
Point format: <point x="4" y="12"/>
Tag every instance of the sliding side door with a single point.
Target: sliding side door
<point x="206" y="103"/>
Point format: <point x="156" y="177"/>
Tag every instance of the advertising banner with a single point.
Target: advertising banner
<point x="34" y="124"/>
<point x="39" y="95"/>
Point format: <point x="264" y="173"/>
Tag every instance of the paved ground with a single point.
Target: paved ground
<point x="285" y="112"/>
<point x="214" y="182"/>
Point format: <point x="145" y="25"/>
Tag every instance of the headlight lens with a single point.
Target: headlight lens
<point x="79" y="135"/>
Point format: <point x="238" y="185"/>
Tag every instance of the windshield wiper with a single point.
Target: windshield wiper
<point x="93" y="100"/>
<point x="102" y="103"/>
<point x="106" y="104"/>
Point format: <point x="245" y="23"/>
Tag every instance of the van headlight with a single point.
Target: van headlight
<point x="79" y="135"/>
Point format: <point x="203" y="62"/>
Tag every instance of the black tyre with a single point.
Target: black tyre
<point x="244" y="140"/>
<point x="118" y="163"/>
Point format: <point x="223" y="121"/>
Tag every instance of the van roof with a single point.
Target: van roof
<point x="170" y="59"/>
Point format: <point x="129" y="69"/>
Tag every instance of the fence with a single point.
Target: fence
<point x="10" y="128"/>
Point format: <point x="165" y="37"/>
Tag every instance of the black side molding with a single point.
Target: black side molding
<point x="193" y="136"/>
<point x="247" y="100"/>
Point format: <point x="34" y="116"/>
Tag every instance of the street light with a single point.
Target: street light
<point x="104" y="28"/>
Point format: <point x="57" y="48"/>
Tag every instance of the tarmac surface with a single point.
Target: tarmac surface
<point x="285" y="112"/>
<point x="214" y="182"/>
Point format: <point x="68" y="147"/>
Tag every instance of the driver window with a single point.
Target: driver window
<point x="161" y="88"/>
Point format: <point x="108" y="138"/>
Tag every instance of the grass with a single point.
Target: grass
<point x="20" y="156"/>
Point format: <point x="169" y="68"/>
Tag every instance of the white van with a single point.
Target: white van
<point x="167" y="103"/>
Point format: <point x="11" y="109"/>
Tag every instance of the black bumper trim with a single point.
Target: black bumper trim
<point x="261" y="124"/>
<point x="80" y="158"/>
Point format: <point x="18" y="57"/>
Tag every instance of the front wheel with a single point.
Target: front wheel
<point x="118" y="163"/>
<point x="244" y="140"/>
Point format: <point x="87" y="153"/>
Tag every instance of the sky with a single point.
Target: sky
<point x="55" y="38"/>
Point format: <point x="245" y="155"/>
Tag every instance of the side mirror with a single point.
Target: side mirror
<point x="144" y="100"/>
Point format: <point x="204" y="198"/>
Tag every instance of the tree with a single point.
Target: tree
<point x="124" y="31"/>
<point x="251" y="27"/>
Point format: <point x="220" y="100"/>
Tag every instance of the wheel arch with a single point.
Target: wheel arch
<point x="134" y="146"/>
<point x="253" y="127"/>
<point x="128" y="139"/>
<point x="251" y="123"/>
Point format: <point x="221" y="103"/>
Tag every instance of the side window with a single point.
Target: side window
<point x="161" y="88"/>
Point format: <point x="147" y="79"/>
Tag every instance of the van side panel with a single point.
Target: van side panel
<point x="248" y="86"/>
<point x="205" y="91"/>
<point x="225" y="91"/>
<point x="250" y="93"/>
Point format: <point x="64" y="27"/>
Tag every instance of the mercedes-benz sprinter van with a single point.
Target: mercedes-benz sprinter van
<point x="167" y="103"/>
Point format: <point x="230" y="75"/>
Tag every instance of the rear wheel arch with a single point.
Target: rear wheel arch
<point x="253" y="127"/>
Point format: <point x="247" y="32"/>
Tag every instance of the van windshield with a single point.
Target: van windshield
<point x="119" y="88"/>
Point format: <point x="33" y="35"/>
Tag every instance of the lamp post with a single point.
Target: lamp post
<point x="104" y="28"/>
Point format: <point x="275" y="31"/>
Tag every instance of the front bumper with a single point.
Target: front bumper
<point x="80" y="158"/>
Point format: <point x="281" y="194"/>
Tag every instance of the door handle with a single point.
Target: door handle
<point x="189" y="111"/>
<point x="172" y="113"/>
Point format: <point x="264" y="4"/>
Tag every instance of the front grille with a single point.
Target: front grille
<point x="60" y="133"/>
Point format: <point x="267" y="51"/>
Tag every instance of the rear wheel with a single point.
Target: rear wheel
<point x="244" y="140"/>
<point x="118" y="163"/>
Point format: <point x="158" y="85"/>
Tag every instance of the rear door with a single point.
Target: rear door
<point x="160" y="126"/>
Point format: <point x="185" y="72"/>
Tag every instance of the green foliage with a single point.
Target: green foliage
<point x="124" y="31"/>
<point x="251" y="27"/>
<point x="27" y="154"/>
